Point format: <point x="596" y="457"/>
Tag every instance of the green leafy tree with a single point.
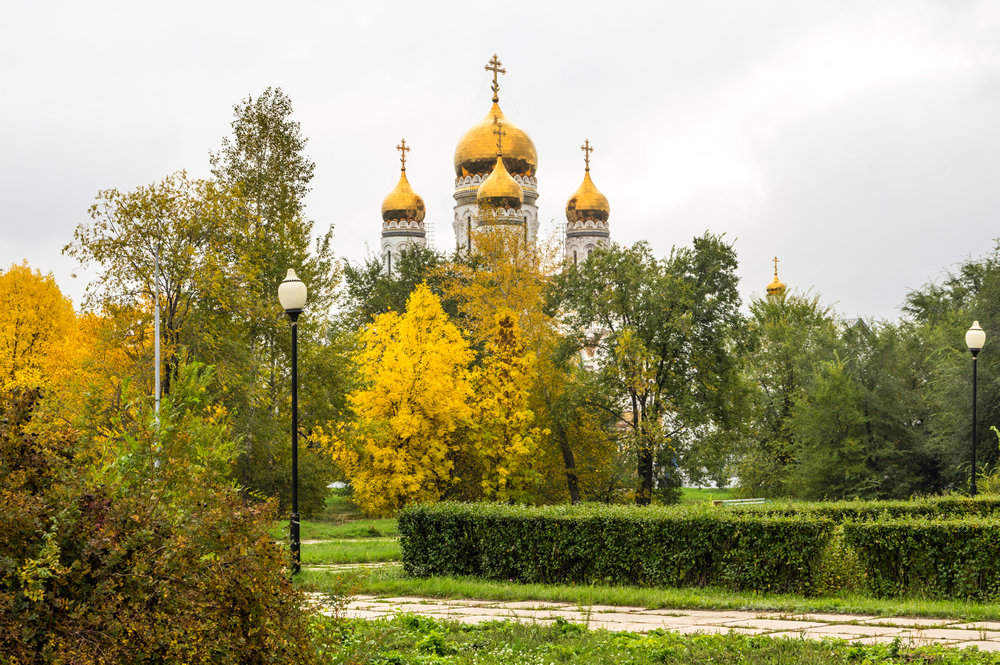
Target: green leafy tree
<point x="667" y="330"/>
<point x="165" y="237"/>
<point x="788" y="336"/>
<point x="369" y="290"/>
<point x="265" y="161"/>
<point x="945" y="311"/>
<point x="862" y="424"/>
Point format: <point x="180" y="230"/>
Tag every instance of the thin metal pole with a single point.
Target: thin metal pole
<point x="974" y="363"/>
<point x="156" y="336"/>
<point x="294" y="526"/>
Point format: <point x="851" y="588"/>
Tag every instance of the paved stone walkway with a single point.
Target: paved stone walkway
<point x="864" y="629"/>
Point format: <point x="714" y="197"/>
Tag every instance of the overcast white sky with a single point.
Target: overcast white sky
<point x="858" y="141"/>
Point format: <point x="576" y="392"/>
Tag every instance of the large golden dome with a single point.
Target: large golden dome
<point x="500" y="190"/>
<point x="403" y="203"/>
<point x="476" y="152"/>
<point x="587" y="203"/>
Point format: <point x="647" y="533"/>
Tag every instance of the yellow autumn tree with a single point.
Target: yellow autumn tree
<point x="35" y="318"/>
<point x="503" y="435"/>
<point x="415" y="396"/>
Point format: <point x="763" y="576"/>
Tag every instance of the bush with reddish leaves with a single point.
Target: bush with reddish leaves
<point x="129" y="561"/>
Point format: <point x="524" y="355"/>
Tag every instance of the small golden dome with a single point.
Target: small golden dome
<point x="587" y="203"/>
<point x="776" y="287"/>
<point x="403" y="203"/>
<point x="477" y="150"/>
<point x="500" y="190"/>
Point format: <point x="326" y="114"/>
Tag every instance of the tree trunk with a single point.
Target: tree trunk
<point x="572" y="482"/>
<point x="645" y="494"/>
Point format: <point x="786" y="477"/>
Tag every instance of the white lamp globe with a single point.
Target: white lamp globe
<point x="292" y="293"/>
<point x="975" y="337"/>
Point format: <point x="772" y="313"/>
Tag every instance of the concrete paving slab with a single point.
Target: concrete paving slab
<point x="722" y="615"/>
<point x="536" y="604"/>
<point x="909" y="621"/>
<point x="650" y="619"/>
<point x="956" y="635"/>
<point x="882" y="639"/>
<point x="789" y="635"/>
<point x="719" y="630"/>
<point x="772" y="624"/>
<point x="978" y="625"/>
<point x="832" y="618"/>
<point x="979" y="644"/>
<point x="614" y="608"/>
<point x="402" y="600"/>
<point x="854" y="630"/>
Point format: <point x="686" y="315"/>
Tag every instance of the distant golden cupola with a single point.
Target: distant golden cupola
<point x="403" y="204"/>
<point x="475" y="153"/>
<point x="587" y="203"/>
<point x="776" y="287"/>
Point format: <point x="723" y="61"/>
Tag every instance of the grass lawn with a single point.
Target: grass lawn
<point x="392" y="582"/>
<point x="311" y="530"/>
<point x="417" y="639"/>
<point x="346" y="551"/>
<point x="705" y="494"/>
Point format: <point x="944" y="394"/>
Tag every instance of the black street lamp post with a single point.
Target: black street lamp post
<point x="975" y="337"/>
<point x="292" y="295"/>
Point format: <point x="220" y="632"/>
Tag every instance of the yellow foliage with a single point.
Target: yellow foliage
<point x="510" y="276"/>
<point x="503" y="432"/>
<point x="34" y="318"/>
<point x="415" y="396"/>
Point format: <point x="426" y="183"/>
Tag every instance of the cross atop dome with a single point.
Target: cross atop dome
<point x="586" y="152"/>
<point x="776" y="287"/>
<point x="498" y="130"/>
<point x="494" y="66"/>
<point x="403" y="149"/>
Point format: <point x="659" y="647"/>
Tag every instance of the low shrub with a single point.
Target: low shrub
<point x="937" y="507"/>
<point x="645" y="546"/>
<point x="930" y="558"/>
<point x="149" y="557"/>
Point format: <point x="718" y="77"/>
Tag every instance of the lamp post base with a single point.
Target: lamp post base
<point x="296" y="543"/>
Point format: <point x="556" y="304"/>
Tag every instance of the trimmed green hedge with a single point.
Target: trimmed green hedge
<point x="642" y="546"/>
<point x="931" y="558"/>
<point x="940" y="507"/>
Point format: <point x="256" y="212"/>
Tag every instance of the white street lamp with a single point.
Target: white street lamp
<point x="975" y="338"/>
<point x="292" y="296"/>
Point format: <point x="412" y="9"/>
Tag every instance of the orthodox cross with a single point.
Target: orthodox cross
<point x="494" y="66"/>
<point x="776" y="267"/>
<point x="498" y="130"/>
<point x="403" y="149"/>
<point x="586" y="152"/>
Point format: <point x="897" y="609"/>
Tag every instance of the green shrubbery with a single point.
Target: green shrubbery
<point x="934" y="548"/>
<point x="938" y="507"/>
<point x="141" y="551"/>
<point x="615" y="544"/>
<point x="935" y="558"/>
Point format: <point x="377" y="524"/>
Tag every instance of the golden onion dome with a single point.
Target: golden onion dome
<point x="477" y="150"/>
<point x="587" y="203"/>
<point x="776" y="287"/>
<point x="403" y="203"/>
<point x="500" y="190"/>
